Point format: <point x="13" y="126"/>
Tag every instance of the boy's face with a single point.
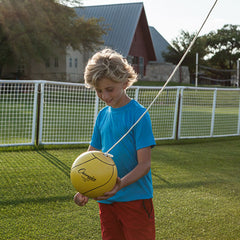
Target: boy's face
<point x="112" y="93"/>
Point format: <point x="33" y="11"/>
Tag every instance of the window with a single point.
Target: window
<point x="130" y="59"/>
<point x="76" y="62"/>
<point x="47" y="63"/>
<point x="135" y="60"/>
<point x="70" y="62"/>
<point x="56" y="64"/>
<point x="20" y="68"/>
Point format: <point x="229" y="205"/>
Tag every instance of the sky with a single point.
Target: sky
<point x="169" y="17"/>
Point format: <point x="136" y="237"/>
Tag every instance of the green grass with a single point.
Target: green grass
<point x="196" y="192"/>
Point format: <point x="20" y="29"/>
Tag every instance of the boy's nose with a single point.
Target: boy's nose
<point x="105" y="96"/>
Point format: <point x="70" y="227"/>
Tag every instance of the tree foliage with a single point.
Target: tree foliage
<point x="38" y="29"/>
<point x="224" y="46"/>
<point x="218" y="49"/>
<point x="179" y="47"/>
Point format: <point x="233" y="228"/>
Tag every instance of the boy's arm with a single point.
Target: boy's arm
<point x="91" y="148"/>
<point x="142" y="168"/>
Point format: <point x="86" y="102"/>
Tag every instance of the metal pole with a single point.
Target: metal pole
<point x="39" y="88"/>
<point x="196" y="77"/>
<point x="238" y="73"/>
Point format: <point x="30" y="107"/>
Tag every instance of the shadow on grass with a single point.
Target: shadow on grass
<point x="36" y="200"/>
<point x="59" y="164"/>
<point x="180" y="185"/>
<point x="161" y="179"/>
<point x="192" y="184"/>
<point x="56" y="162"/>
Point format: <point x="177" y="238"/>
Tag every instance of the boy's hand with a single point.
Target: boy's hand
<point x="80" y="199"/>
<point x="111" y="193"/>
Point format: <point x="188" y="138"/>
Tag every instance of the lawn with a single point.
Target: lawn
<point x="196" y="192"/>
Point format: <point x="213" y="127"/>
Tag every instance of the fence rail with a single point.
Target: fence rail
<point x="44" y="112"/>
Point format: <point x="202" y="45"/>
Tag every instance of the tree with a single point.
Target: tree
<point x="179" y="47"/>
<point x="218" y="50"/>
<point x="224" y="48"/>
<point x="39" y="29"/>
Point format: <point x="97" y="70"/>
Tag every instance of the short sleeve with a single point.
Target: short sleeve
<point x="96" y="136"/>
<point x="143" y="133"/>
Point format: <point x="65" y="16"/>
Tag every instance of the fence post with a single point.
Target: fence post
<point x="35" y="114"/>
<point x="136" y="93"/>
<point x="177" y="114"/>
<point x="96" y="108"/>
<point x="179" y="117"/>
<point x="239" y="118"/>
<point x="238" y="78"/>
<point x="213" y="112"/>
<point x="38" y="112"/>
<point x="196" y="77"/>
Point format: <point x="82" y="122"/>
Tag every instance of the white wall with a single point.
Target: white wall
<point x="162" y="71"/>
<point x="74" y="65"/>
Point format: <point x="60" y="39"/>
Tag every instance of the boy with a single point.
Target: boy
<point x="126" y="212"/>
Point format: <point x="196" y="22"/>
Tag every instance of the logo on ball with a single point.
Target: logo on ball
<point x="85" y="176"/>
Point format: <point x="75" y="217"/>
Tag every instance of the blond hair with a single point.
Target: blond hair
<point x="110" y="65"/>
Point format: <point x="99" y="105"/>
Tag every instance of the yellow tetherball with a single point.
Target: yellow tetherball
<point x="93" y="173"/>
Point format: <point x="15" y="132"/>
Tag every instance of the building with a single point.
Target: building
<point x="128" y="33"/>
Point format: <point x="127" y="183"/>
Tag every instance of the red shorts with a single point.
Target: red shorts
<point x="132" y="220"/>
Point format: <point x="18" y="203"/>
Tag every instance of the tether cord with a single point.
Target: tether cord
<point x="168" y="80"/>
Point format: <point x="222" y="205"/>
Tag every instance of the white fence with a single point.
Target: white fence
<point x="44" y="112"/>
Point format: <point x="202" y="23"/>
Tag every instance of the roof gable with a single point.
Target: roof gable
<point x="122" y="20"/>
<point x="160" y="44"/>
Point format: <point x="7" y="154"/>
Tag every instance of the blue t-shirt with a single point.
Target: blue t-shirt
<point x="110" y="126"/>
